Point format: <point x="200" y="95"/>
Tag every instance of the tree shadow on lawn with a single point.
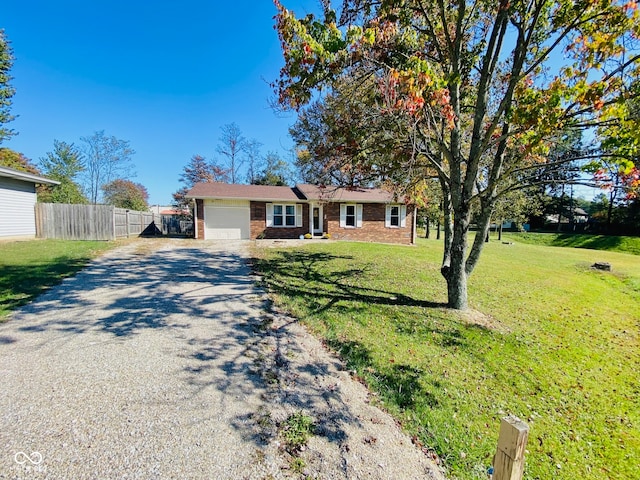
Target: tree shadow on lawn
<point x="294" y="273"/>
<point x="400" y="384"/>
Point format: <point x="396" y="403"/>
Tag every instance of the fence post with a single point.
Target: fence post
<point x="508" y="464"/>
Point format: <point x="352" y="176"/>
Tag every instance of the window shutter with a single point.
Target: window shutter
<point x="298" y="215"/>
<point x="403" y="216"/>
<point x="269" y="214"/>
<point x="359" y="215"/>
<point x="387" y="216"/>
<point x="343" y="215"/>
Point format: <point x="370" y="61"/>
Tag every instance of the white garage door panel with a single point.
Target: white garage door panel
<point x="223" y="222"/>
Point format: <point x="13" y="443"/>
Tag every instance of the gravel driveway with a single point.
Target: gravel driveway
<point x="161" y="361"/>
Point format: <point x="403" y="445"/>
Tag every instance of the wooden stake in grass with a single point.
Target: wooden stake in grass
<point x="508" y="464"/>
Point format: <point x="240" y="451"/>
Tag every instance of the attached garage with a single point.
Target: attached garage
<point x="227" y="220"/>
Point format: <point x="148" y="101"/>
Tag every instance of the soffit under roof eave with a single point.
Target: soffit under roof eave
<point x="28" y="177"/>
<point x="297" y="200"/>
<point x="218" y="197"/>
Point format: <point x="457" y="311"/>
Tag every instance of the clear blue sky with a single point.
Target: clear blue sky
<point x="164" y="75"/>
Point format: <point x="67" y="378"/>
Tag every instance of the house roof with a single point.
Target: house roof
<point x="221" y="191"/>
<point x="26" y="176"/>
<point x="343" y="194"/>
<point x="580" y="211"/>
<point x="299" y="192"/>
<point x="173" y="211"/>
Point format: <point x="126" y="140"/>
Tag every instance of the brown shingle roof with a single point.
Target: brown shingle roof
<point x="251" y="192"/>
<point x="302" y="192"/>
<point x="342" y="194"/>
<point x="174" y="212"/>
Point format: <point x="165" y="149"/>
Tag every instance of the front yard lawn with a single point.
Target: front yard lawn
<point x="29" y="267"/>
<point x="549" y="340"/>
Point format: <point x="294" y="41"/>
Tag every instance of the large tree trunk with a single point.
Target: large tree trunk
<point x="447" y="227"/>
<point x="454" y="259"/>
<point x="455" y="272"/>
<point x="484" y="224"/>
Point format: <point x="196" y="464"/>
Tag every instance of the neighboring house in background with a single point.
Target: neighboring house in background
<point x="17" y="202"/>
<point x="578" y="214"/>
<point x="572" y="220"/>
<point x="225" y="211"/>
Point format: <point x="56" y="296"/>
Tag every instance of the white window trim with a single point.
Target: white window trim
<point x="403" y="216"/>
<point x="298" y="215"/>
<point x="343" y="215"/>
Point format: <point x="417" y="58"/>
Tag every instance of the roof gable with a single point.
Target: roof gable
<point x="218" y="190"/>
<point x="331" y="193"/>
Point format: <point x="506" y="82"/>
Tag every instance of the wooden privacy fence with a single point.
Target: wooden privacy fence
<point x="128" y="223"/>
<point x="91" y="222"/>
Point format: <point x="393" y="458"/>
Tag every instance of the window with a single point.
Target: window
<point x="280" y="215"/>
<point x="277" y="216"/>
<point x="290" y="215"/>
<point x="350" y="215"/>
<point x="395" y="216"/>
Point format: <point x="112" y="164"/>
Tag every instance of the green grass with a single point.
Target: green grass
<point x="558" y="347"/>
<point x="27" y="268"/>
<point x="594" y="242"/>
<point x="297" y="430"/>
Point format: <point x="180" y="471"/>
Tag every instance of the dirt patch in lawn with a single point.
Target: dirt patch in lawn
<point x="479" y="319"/>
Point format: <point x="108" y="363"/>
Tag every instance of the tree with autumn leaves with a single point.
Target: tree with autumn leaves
<point x="471" y="93"/>
<point x="198" y="170"/>
<point x="123" y="193"/>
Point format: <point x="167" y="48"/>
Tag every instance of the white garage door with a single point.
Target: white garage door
<point x="227" y="220"/>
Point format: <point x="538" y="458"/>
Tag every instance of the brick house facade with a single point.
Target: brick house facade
<point x="256" y="212"/>
<point x="373" y="225"/>
<point x="259" y="228"/>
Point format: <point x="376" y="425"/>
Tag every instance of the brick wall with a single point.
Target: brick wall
<point x="199" y="219"/>
<point x="259" y="224"/>
<point x="373" y="225"/>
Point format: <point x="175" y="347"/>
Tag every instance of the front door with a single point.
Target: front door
<point x="317" y="220"/>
